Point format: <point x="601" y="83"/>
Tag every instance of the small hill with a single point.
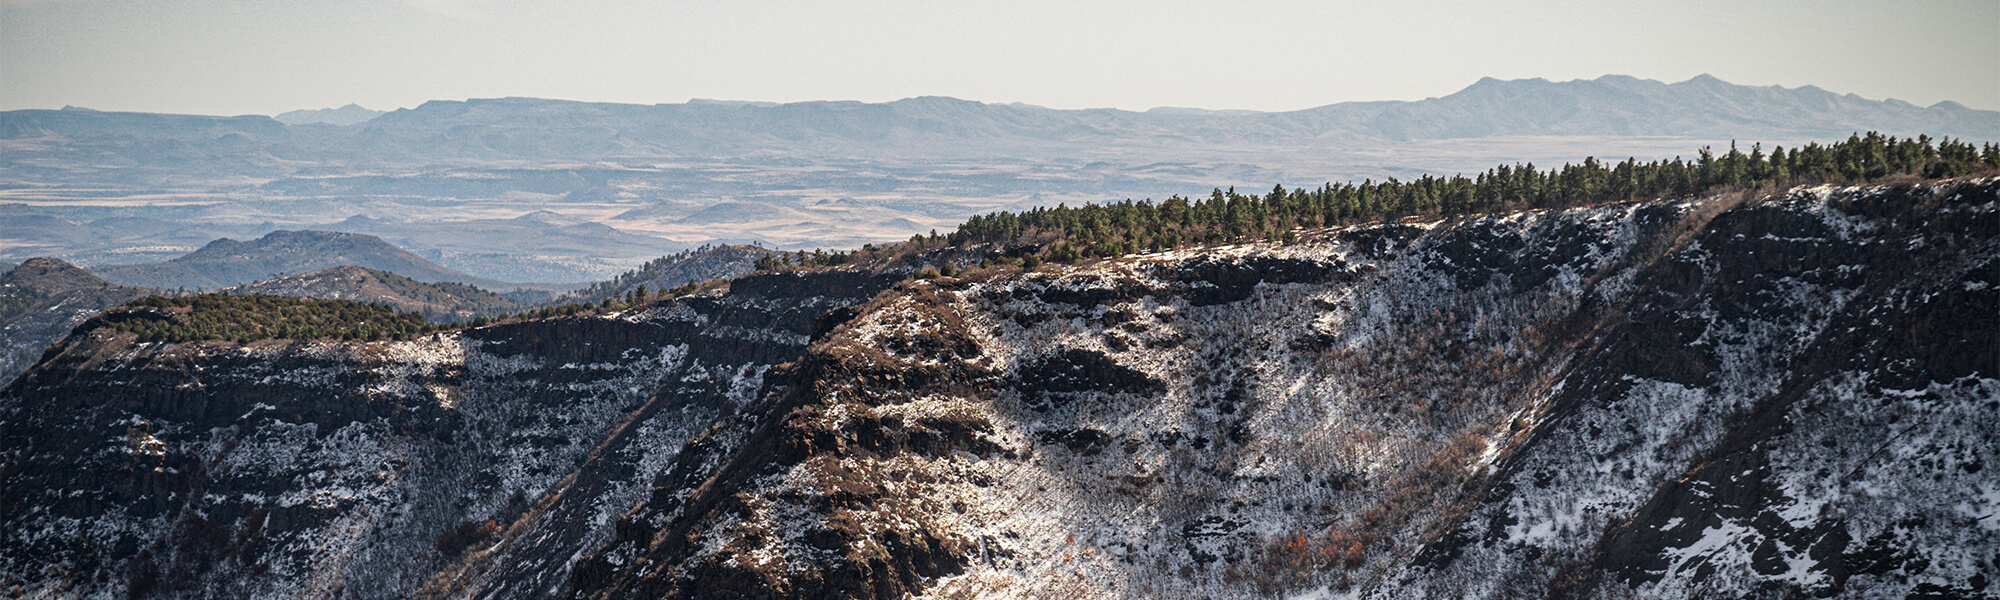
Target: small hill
<point x="442" y="301"/>
<point x="668" y="272"/>
<point x="49" y="276"/>
<point x="226" y="262"/>
<point x="41" y="300"/>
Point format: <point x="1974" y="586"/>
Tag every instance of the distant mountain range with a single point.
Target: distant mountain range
<point x="537" y="129"/>
<point x="1607" y="106"/>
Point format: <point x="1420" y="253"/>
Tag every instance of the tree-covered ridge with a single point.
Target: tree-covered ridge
<point x="245" y="318"/>
<point x="442" y="301"/>
<point x="1066" y="233"/>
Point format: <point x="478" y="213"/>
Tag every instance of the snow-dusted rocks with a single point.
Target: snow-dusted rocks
<point x="1697" y="399"/>
<point x="1704" y="398"/>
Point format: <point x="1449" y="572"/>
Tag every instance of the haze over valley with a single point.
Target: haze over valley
<point x="525" y="190"/>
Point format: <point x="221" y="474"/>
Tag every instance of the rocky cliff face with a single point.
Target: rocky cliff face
<point x="1669" y="400"/>
<point x="1724" y="397"/>
<point x="317" y="469"/>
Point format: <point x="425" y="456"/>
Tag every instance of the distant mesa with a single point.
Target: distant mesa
<point x="351" y="114"/>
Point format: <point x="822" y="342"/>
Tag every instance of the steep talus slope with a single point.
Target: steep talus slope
<point x="320" y="468"/>
<point x="1695" y="399"/>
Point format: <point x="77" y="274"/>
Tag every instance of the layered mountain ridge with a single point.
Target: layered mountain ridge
<point x="1725" y="396"/>
<point x="531" y="128"/>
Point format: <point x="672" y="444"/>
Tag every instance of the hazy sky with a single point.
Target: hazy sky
<point x="264" y="57"/>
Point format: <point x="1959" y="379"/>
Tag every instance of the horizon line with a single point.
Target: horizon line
<point x="1946" y="104"/>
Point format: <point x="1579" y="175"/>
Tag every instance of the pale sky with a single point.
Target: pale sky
<point x="265" y="57"/>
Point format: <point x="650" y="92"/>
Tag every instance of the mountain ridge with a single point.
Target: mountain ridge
<point x="1703" y="106"/>
<point x="441" y="301"/>
<point x="227" y="262"/>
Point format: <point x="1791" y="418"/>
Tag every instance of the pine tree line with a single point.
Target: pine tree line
<point x="1063" y="233"/>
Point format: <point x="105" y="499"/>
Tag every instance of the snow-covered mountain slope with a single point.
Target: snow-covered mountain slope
<point x="1669" y="400"/>
<point x="1719" y="397"/>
